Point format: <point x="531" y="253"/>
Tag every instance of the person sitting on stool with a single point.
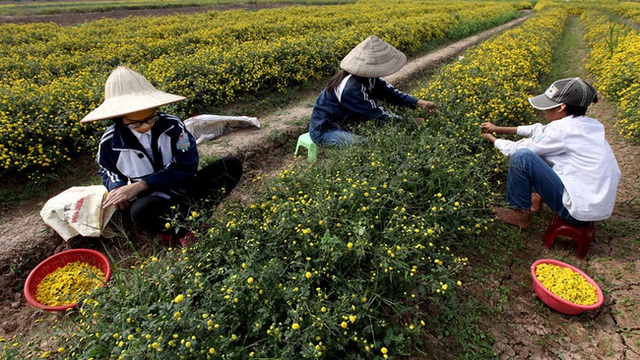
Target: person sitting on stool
<point x="568" y="162"/>
<point x="352" y="94"/>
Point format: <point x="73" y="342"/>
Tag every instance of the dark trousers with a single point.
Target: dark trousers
<point x="210" y="185"/>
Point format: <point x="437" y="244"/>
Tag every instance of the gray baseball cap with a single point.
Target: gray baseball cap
<point x="571" y="91"/>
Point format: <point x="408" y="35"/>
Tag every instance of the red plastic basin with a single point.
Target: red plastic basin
<point x="557" y="303"/>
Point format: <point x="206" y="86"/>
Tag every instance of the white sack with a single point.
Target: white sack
<point x="207" y="127"/>
<point x="78" y="211"/>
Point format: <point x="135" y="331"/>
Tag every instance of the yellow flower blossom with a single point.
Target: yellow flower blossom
<point x="67" y="284"/>
<point x="566" y="284"/>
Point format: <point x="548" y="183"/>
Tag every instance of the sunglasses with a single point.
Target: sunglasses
<point x="150" y="120"/>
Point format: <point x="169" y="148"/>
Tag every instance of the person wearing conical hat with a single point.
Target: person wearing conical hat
<point x="148" y="160"/>
<point x="567" y="162"/>
<point x="353" y="93"/>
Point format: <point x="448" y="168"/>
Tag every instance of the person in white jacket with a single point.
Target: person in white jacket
<point x="568" y="162"/>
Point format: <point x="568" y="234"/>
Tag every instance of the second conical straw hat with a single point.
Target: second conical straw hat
<point x="373" y="58"/>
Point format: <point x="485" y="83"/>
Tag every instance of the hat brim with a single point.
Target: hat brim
<point x="126" y="104"/>
<point x="542" y="102"/>
<point x="361" y="67"/>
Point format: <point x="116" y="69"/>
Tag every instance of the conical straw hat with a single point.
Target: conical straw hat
<point x="127" y="91"/>
<point x="373" y="58"/>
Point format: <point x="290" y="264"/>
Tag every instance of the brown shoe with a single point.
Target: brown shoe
<point x="519" y="218"/>
<point x="536" y="202"/>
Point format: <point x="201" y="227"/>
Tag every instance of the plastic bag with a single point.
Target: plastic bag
<point x="78" y="211"/>
<point x="207" y="127"/>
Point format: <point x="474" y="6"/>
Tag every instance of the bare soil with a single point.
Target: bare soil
<point x="528" y="329"/>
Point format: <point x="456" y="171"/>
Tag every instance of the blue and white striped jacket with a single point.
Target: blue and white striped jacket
<point x="123" y="159"/>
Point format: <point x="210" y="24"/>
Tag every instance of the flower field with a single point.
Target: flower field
<point x="342" y="259"/>
<point x="63" y="7"/>
<point x="351" y="258"/>
<point x="615" y="63"/>
<point x="53" y="76"/>
<point x="614" y="60"/>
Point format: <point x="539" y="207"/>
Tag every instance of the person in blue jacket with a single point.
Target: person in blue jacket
<point x="148" y="159"/>
<point x="353" y="93"/>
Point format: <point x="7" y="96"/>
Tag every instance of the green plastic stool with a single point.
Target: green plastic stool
<point x="305" y="141"/>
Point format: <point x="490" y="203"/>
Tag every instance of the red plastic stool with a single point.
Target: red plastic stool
<point x="582" y="234"/>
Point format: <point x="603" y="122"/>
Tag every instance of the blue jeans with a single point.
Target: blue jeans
<point x="336" y="138"/>
<point x="529" y="173"/>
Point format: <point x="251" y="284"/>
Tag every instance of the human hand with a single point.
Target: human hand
<point x="419" y="121"/>
<point x="429" y="106"/>
<point x="122" y="205"/>
<point x="489" y="137"/>
<point x="119" y="197"/>
<point x="488" y="127"/>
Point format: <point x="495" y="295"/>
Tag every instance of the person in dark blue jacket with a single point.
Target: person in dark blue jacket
<point x="148" y="160"/>
<point x="352" y="94"/>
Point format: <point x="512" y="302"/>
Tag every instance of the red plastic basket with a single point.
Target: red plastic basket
<point x="557" y="303"/>
<point x="59" y="260"/>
